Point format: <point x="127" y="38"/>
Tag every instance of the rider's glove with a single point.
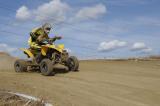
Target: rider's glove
<point x="50" y="41"/>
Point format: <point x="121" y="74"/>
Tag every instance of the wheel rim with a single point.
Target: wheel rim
<point x="17" y="66"/>
<point x="44" y="67"/>
<point x="71" y="63"/>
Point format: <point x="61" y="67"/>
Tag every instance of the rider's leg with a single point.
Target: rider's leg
<point x="36" y="51"/>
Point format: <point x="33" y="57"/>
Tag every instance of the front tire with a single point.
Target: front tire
<point x="20" y="65"/>
<point x="72" y="63"/>
<point x="46" y="67"/>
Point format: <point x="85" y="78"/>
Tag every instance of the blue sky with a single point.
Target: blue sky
<point x="90" y="28"/>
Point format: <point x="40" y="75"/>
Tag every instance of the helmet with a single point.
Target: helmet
<point x="46" y="27"/>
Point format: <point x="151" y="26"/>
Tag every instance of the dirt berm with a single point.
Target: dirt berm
<point x="98" y="83"/>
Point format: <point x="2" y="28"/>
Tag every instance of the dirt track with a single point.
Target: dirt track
<point x="99" y="83"/>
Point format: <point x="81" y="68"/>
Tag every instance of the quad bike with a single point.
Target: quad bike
<point x="46" y="58"/>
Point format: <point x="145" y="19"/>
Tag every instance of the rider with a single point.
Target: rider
<point x="38" y="35"/>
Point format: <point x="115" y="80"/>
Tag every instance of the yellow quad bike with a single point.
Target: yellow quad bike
<point x="46" y="58"/>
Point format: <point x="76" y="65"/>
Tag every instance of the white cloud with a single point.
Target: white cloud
<point x="54" y="11"/>
<point x="91" y="12"/>
<point x="112" y="45"/>
<point x="23" y="13"/>
<point x="140" y="46"/>
<point x="147" y="50"/>
<point x="5" y="48"/>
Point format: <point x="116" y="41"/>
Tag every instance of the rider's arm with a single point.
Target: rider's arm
<point x="42" y="38"/>
<point x="56" y="38"/>
<point x="53" y="39"/>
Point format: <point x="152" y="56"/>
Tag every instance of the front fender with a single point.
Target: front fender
<point x="44" y="50"/>
<point x="28" y="52"/>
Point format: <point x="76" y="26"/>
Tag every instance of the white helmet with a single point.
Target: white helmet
<point x="46" y="27"/>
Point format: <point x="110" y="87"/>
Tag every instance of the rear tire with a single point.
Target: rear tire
<point x="20" y="65"/>
<point x="73" y="63"/>
<point x="46" y="67"/>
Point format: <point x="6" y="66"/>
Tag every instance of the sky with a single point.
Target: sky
<point x="90" y="28"/>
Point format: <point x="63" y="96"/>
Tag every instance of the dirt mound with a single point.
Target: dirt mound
<point x="5" y="54"/>
<point x="6" y="61"/>
<point x="8" y="99"/>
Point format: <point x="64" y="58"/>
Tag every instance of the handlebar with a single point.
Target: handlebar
<point x="51" y="40"/>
